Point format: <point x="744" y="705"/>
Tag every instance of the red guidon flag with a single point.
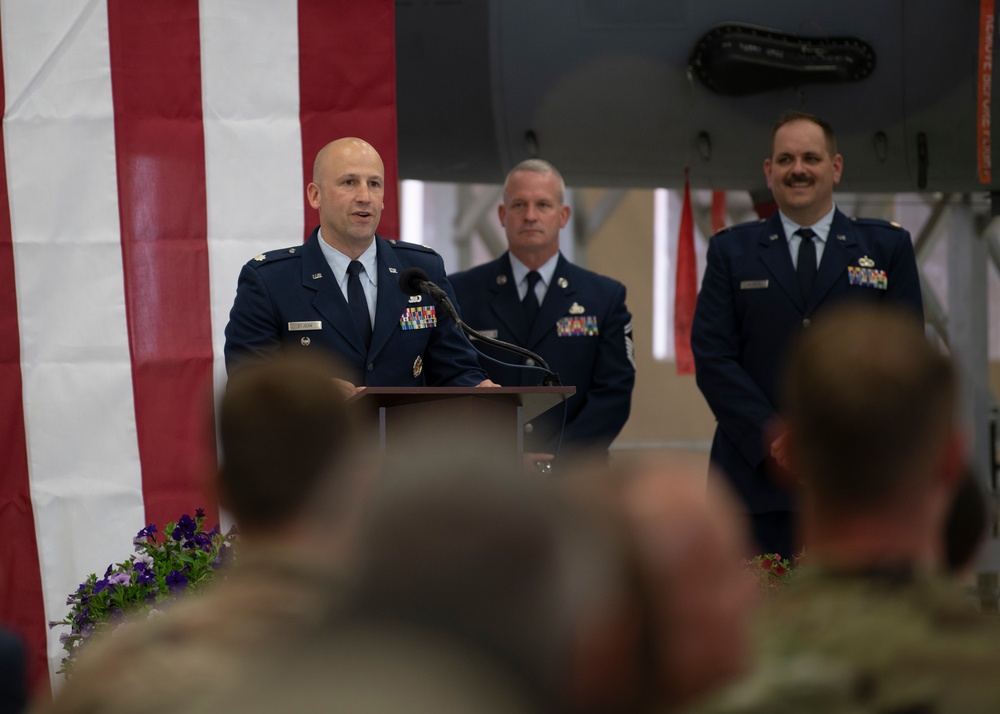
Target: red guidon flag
<point x="150" y="149"/>
<point x="685" y="287"/>
<point x="718" y="211"/>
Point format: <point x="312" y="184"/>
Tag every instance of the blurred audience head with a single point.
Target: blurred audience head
<point x="458" y="543"/>
<point x="872" y="437"/>
<point x="690" y="550"/>
<point x="286" y="437"/>
<point x="869" y="404"/>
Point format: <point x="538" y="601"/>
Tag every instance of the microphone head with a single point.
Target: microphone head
<point x="411" y="279"/>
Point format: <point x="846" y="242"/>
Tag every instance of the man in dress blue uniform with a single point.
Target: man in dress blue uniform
<point x="765" y="281"/>
<point x="575" y="319"/>
<point x="340" y="290"/>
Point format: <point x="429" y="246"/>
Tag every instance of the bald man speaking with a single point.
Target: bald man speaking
<point x="339" y="291"/>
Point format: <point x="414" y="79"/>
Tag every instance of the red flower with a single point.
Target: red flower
<point x="766" y="564"/>
<point x="780" y="570"/>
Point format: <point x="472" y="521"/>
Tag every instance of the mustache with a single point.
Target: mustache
<point x="797" y="178"/>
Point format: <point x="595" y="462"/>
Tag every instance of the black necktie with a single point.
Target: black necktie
<point x="358" y="302"/>
<point x="530" y="301"/>
<point x="806" y="264"/>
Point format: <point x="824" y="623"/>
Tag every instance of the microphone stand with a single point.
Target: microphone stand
<point x="551" y="379"/>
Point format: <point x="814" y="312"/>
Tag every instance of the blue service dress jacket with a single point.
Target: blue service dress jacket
<point x="584" y="332"/>
<point x="289" y="298"/>
<point x="750" y="306"/>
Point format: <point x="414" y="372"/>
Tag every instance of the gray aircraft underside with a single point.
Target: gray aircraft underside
<point x="629" y="92"/>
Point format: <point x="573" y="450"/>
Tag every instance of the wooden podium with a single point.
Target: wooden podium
<point x="500" y="412"/>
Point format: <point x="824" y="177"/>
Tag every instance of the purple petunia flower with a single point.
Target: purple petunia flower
<point x="140" y="538"/>
<point x="176" y="581"/>
<point x="185" y="528"/>
<point x="120" y="579"/>
<point x="203" y="541"/>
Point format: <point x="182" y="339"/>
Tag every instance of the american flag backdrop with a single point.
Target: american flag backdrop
<point x="149" y="149"/>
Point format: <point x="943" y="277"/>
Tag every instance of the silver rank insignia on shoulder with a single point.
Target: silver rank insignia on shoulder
<point x="317" y="276"/>
<point x="416" y="298"/>
<point x="393" y="241"/>
<point x="773" y="236"/>
<point x="305" y="341"/>
<point x="292" y="250"/>
<point x="392" y="270"/>
<point x="841" y="236"/>
<point x="418" y="366"/>
<point x="866" y="262"/>
<point x="562" y="282"/>
<point x="260" y="258"/>
<point x="501" y="280"/>
<point x="576" y="309"/>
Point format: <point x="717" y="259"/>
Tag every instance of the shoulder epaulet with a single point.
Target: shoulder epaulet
<point x="748" y="224"/>
<point x="876" y="222"/>
<point x="274" y="255"/>
<point x="409" y="246"/>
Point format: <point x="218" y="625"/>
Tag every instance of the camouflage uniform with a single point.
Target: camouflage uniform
<point x="888" y="641"/>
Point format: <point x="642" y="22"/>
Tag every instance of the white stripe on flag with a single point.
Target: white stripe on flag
<point x="253" y="143"/>
<point x="59" y="131"/>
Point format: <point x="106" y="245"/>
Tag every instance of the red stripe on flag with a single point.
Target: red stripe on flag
<point x="347" y="87"/>
<point x="160" y="151"/>
<point x="686" y="287"/>
<point x="21" y="603"/>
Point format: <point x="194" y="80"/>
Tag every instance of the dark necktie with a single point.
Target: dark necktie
<point x="530" y="301"/>
<point x="358" y="302"/>
<point x="806" y="264"/>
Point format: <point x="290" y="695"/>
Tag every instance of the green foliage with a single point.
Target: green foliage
<point x="185" y="560"/>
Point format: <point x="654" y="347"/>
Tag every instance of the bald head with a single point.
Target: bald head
<point x="348" y="190"/>
<point x="340" y="149"/>
<point x="690" y="549"/>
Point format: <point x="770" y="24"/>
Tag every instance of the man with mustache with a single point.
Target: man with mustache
<point x="764" y="282"/>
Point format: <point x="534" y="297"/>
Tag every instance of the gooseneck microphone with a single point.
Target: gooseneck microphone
<point x="415" y="281"/>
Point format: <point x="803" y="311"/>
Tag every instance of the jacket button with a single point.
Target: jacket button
<point x="806" y="322"/>
<point x="530" y="362"/>
<point x="371" y="367"/>
<point x="528" y="428"/>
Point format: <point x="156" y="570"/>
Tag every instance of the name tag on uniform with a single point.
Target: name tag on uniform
<point x="753" y="284"/>
<point x="310" y="325"/>
<point x="488" y="333"/>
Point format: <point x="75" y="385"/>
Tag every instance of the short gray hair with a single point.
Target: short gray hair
<point x="538" y="166"/>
